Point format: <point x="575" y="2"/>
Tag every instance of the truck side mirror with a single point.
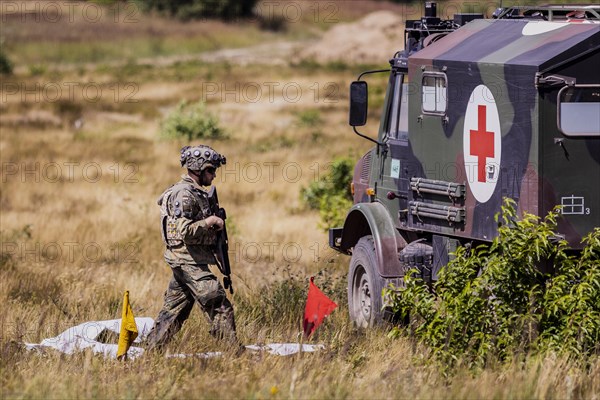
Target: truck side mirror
<point x="359" y="95"/>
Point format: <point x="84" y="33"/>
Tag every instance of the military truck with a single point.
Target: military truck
<point x="475" y="110"/>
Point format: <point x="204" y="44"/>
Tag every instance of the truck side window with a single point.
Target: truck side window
<point x="395" y="107"/>
<point x="403" y="120"/>
<point x="434" y="93"/>
<point x="579" y="110"/>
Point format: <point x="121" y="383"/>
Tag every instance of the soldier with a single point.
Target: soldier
<point x="189" y="232"/>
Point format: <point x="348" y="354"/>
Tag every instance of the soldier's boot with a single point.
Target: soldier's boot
<point x="223" y="323"/>
<point x="223" y="328"/>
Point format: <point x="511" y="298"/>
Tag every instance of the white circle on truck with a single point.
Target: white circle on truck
<point x="482" y="143"/>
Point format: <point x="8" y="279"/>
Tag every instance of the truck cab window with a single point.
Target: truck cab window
<point x="579" y="110"/>
<point x="403" y="120"/>
<point x="397" y="124"/>
<point x="434" y="93"/>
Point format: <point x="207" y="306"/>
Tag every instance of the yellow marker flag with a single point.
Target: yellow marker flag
<point x="129" y="330"/>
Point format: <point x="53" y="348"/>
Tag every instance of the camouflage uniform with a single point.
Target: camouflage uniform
<point x="184" y="208"/>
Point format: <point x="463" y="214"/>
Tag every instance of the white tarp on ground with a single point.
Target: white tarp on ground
<point x="94" y="335"/>
<point x="286" y="349"/>
<point x="278" y="349"/>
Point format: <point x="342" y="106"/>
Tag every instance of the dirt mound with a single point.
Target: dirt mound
<point x="373" y="39"/>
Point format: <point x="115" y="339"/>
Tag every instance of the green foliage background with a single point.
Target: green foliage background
<point x="6" y="66"/>
<point x="194" y="9"/>
<point x="331" y="193"/>
<point x="190" y="122"/>
<point x="492" y="302"/>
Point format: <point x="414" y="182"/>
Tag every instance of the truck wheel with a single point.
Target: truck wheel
<point x="365" y="285"/>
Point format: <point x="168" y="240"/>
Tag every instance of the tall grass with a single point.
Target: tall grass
<point x="106" y="228"/>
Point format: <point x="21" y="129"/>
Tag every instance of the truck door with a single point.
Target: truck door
<point x="393" y="179"/>
<point x="571" y="159"/>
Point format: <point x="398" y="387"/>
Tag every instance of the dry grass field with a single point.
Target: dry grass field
<point x="83" y="164"/>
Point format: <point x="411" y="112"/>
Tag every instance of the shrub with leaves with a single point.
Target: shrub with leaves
<point x="273" y="22"/>
<point x="571" y="319"/>
<point x="309" y="118"/>
<point x="195" y="9"/>
<point x="331" y="193"/>
<point x="6" y="66"/>
<point x="191" y="122"/>
<point x="492" y="302"/>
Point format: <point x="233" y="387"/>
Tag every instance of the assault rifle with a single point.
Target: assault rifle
<point x="222" y="247"/>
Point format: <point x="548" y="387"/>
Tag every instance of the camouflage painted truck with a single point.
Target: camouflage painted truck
<point x="474" y="112"/>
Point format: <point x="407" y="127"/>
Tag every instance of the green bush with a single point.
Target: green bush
<point x="492" y="302"/>
<point x="195" y="9"/>
<point x="6" y="66"/>
<point x="272" y="23"/>
<point x="331" y="193"/>
<point x="333" y="210"/>
<point x="191" y="122"/>
<point x="309" y="118"/>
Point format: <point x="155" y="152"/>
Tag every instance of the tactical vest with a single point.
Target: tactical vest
<point x="181" y="200"/>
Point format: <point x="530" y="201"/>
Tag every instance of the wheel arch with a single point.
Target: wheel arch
<point x="374" y="219"/>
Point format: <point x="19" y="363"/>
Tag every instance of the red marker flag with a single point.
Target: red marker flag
<point x="318" y="306"/>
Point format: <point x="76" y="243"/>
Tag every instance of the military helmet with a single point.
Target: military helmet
<point x="198" y="158"/>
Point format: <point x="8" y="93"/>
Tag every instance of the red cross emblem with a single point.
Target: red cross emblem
<point x="481" y="143"/>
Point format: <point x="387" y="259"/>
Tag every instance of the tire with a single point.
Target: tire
<point x="365" y="285"/>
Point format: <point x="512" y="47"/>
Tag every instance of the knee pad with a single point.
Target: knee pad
<point x="211" y="293"/>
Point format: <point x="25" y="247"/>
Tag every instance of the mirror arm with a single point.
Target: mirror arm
<point x="368" y="138"/>
<point x="372" y="72"/>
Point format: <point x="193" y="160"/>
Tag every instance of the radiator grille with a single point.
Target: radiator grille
<point x="366" y="167"/>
